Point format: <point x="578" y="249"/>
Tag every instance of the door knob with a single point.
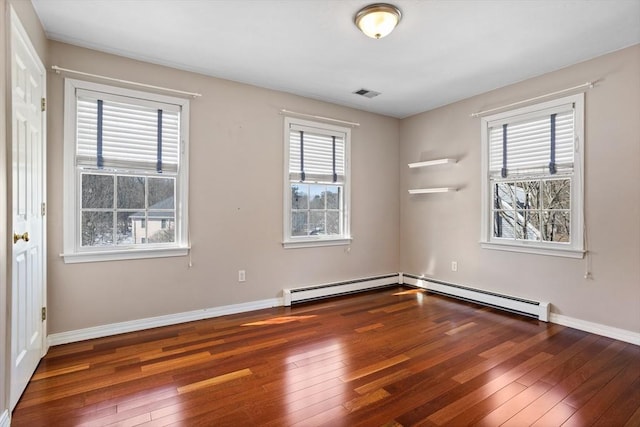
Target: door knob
<point x="24" y="236"/>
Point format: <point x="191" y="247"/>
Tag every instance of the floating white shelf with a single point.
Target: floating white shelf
<point x="432" y="163"/>
<point x="432" y="190"/>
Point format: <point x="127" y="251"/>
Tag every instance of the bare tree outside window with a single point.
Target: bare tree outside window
<point x="533" y="210"/>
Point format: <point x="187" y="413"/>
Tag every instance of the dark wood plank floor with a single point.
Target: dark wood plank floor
<point x="395" y="357"/>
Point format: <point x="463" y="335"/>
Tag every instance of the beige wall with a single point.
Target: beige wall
<point x="236" y="184"/>
<point x="439" y="228"/>
<point x="31" y="23"/>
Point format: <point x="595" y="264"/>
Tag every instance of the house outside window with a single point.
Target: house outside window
<point x="317" y="187"/>
<point x="532" y="179"/>
<point x="126" y="160"/>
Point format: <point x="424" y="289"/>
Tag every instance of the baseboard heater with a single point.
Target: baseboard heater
<point x="536" y="309"/>
<point x="311" y="293"/>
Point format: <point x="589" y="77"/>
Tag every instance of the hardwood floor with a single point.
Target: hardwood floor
<point x="395" y="357"/>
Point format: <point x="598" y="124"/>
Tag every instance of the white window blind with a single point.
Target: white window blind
<point x="529" y="146"/>
<point x="316" y="156"/>
<point x="120" y="132"/>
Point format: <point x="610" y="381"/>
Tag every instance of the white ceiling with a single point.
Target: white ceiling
<point x="442" y="51"/>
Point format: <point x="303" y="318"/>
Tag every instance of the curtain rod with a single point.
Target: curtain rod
<point x="328" y="119"/>
<point x="58" y="70"/>
<point x="558" y="92"/>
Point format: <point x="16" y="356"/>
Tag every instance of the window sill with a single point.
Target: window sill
<point x="532" y="249"/>
<point x="308" y="243"/>
<point x="119" y="255"/>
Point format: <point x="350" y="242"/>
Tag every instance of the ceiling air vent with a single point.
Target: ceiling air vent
<point x="367" y="93"/>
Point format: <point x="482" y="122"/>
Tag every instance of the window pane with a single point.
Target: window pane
<point x="557" y="194"/>
<point x="97" y="228"/>
<point x="161" y="227"/>
<point x="528" y="225"/>
<point x="97" y="191"/>
<point x="139" y="228"/>
<point x="129" y="230"/>
<point x="528" y="194"/>
<point x="519" y="225"/>
<point x="299" y="196"/>
<point x="316" y="223"/>
<point x="333" y="222"/>
<point x="131" y="192"/>
<point x="299" y="223"/>
<point x="556" y="226"/>
<point x="503" y="224"/>
<point x="317" y="196"/>
<point x="161" y="193"/>
<point x="503" y="197"/>
<point x="333" y="197"/>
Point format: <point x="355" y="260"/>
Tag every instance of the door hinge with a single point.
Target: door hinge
<point x="43" y="104"/>
<point x="43" y="209"/>
<point x="44" y="313"/>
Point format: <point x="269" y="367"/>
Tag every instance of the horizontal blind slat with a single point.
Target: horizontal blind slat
<point x="528" y="143"/>
<point x="129" y="133"/>
<point x="318" y="155"/>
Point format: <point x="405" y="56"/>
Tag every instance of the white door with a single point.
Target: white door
<point x="28" y="190"/>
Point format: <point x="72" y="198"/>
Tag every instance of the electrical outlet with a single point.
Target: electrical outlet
<point x="242" y="276"/>
<point x="454" y="265"/>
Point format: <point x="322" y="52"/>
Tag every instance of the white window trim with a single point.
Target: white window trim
<point x="309" y="243"/>
<point x="289" y="241"/>
<point x="576" y="248"/>
<point x="72" y="252"/>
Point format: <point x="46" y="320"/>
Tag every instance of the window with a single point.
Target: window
<point x="316" y="201"/>
<point x="533" y="180"/>
<point x="125" y="173"/>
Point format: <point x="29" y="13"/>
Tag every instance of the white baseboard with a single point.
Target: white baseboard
<point x="5" y="420"/>
<point x="583" y="325"/>
<point x="154" y="322"/>
<point x="596" y="328"/>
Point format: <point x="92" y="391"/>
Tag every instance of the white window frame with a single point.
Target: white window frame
<point x="73" y="251"/>
<point x="574" y="249"/>
<point x="345" y="238"/>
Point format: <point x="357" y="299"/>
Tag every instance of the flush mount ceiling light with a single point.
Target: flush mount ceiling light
<point x="377" y="20"/>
